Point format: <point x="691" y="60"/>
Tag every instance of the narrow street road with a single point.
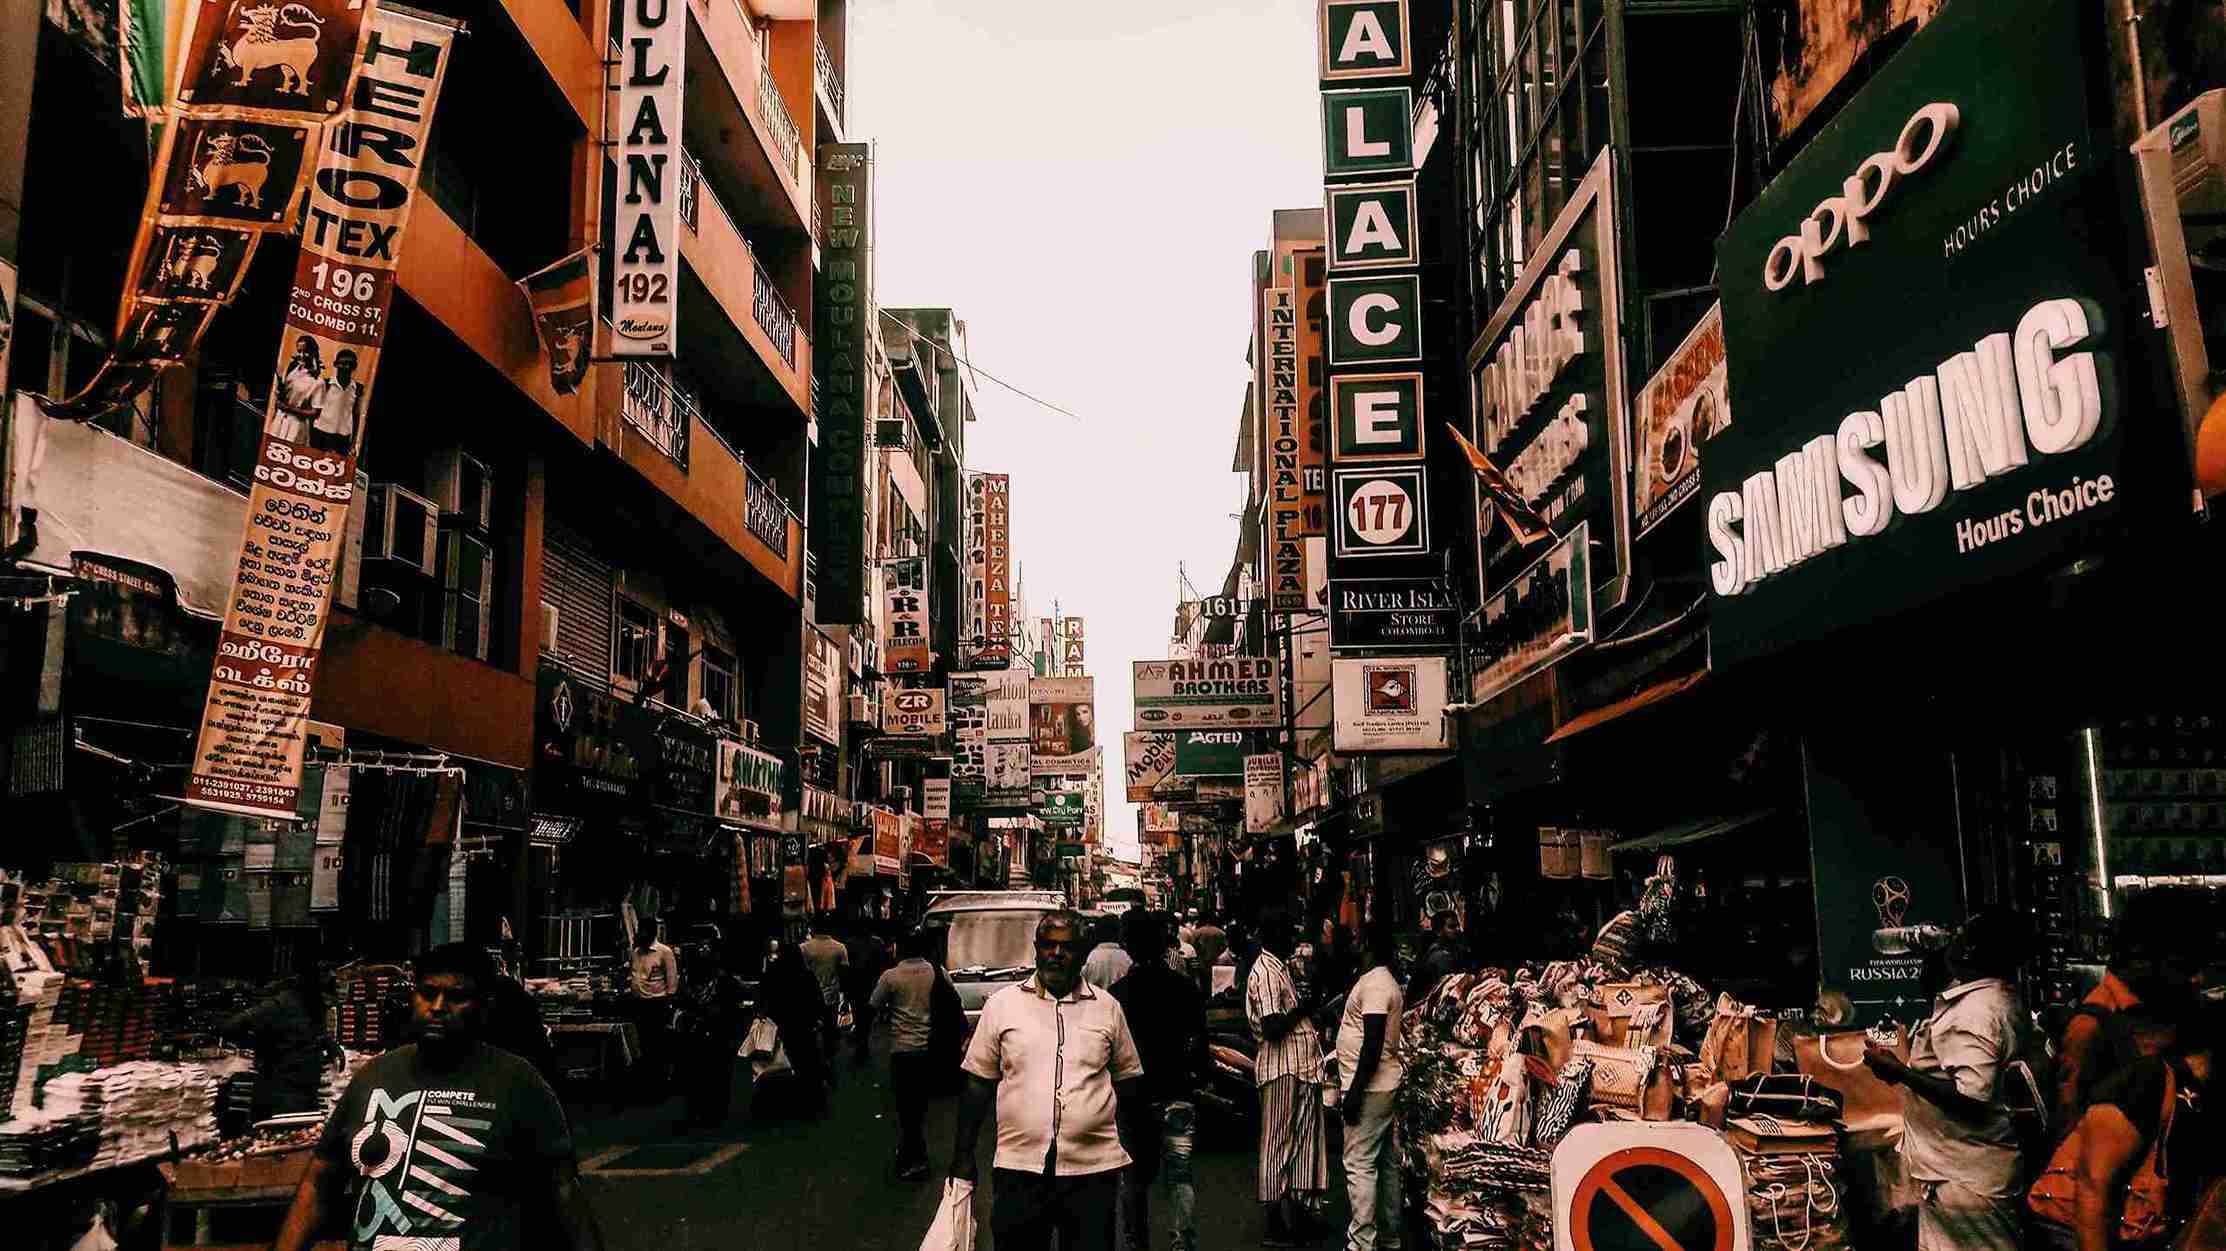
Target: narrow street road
<point x="830" y="1184"/>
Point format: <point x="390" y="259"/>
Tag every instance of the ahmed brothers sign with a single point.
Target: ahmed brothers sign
<point x="1884" y="459"/>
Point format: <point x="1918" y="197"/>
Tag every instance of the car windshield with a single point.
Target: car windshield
<point x="992" y="940"/>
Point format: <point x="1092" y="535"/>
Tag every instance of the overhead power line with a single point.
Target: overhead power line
<point x="914" y="334"/>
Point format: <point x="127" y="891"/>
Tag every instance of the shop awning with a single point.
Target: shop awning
<point x="1601" y="716"/>
<point x="1694" y="831"/>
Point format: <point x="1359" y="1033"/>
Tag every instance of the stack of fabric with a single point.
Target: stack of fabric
<point x="1794" y="1199"/>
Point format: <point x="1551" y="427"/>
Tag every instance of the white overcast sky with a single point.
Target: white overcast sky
<point x="1085" y="184"/>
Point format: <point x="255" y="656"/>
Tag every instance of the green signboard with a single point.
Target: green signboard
<point x="1939" y="407"/>
<point x="1210" y="753"/>
<point x="1378" y="417"/>
<point x="1375" y="320"/>
<point x="1372" y="226"/>
<point x="1063" y="808"/>
<point x="1367" y="132"/>
<point x="1070" y="851"/>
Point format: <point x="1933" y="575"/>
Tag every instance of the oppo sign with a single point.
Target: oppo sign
<point x="1844" y="218"/>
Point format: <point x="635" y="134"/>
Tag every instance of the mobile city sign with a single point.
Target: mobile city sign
<point x="1978" y="441"/>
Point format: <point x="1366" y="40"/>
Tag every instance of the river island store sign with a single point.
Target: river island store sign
<point x="1889" y="460"/>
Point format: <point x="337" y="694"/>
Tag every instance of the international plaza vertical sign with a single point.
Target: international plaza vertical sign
<point x="1286" y="494"/>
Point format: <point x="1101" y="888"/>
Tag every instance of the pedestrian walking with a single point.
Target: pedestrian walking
<point x="1369" y="1069"/>
<point x="1167" y="1015"/>
<point x="2158" y="945"/>
<point x="1054" y="1056"/>
<point x="905" y="997"/>
<point x="710" y="1029"/>
<point x="445" y="1141"/>
<point x="1958" y="1141"/>
<point x="790" y="996"/>
<point x="829" y="961"/>
<point x="654" y="978"/>
<point x="1294" y="1167"/>
<point x="1108" y="962"/>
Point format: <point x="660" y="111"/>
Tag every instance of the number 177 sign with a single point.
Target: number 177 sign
<point x="1381" y="512"/>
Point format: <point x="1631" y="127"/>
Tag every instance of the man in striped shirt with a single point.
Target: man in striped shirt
<point x="1294" y="1162"/>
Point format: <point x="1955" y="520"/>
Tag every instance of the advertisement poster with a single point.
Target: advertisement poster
<point x="1062" y="726"/>
<point x="644" y="236"/>
<point x="935" y="798"/>
<point x="1162" y="825"/>
<point x="256" y="88"/>
<point x="1885" y="860"/>
<point x="1263" y="792"/>
<point x="842" y="314"/>
<point x="248" y="755"/>
<point x="1234" y="691"/>
<point x="888" y="840"/>
<point x="1541" y="616"/>
<point x="904" y="582"/>
<point x="1390" y="704"/>
<point x="823" y="686"/>
<point x="749" y="785"/>
<point x="562" y="300"/>
<point x="1309" y="278"/>
<point x="1685" y="404"/>
<point x="969" y="719"/>
<point x="931" y="837"/>
<point x="989" y="610"/>
<point x="1007" y="757"/>
<point x="1148" y="758"/>
<point x="918" y="712"/>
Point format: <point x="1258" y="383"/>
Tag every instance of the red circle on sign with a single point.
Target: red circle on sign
<point x="1605" y="1201"/>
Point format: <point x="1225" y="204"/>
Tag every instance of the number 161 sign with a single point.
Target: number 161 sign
<point x="1381" y="512"/>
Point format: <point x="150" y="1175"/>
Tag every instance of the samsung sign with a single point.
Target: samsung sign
<point x="1925" y="341"/>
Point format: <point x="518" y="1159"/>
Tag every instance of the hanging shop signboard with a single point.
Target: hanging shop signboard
<point x="587" y="745"/>
<point x="1148" y="758"/>
<point x="1161" y="821"/>
<point x="1210" y="753"/>
<point x="823" y="686"/>
<point x="1372" y="226"/>
<point x="750" y="784"/>
<point x="969" y="717"/>
<point x="905" y="648"/>
<point x="1263" y="792"/>
<point x="1307" y="279"/>
<point x="1548" y="387"/>
<point x="1401" y="614"/>
<point x="1381" y="512"/>
<point x="1376" y="417"/>
<point x="919" y="712"/>
<point x="248" y="755"/>
<point x="1063" y="809"/>
<point x="1984" y="435"/>
<point x="1062" y="719"/>
<point x="1540" y="616"/>
<point x="935" y="798"/>
<point x="1685" y="404"/>
<point x="1364" y="39"/>
<point x="1006" y="759"/>
<point x="1235" y="691"/>
<point x="842" y="314"/>
<point x="989" y="568"/>
<point x="644" y="237"/>
<point x="1286" y="511"/>
<point x="931" y="840"/>
<point x="1390" y="704"/>
<point x="888" y="840"/>
<point x="684" y="765"/>
<point x="1375" y="320"/>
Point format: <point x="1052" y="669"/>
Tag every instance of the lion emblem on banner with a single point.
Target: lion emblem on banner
<point x="260" y="47"/>
<point x="191" y="263"/>
<point x="239" y="162"/>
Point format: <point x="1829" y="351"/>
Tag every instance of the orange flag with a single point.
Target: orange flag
<point x="1501" y="496"/>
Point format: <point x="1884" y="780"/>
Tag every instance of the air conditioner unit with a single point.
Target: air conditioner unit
<point x="350" y="582"/>
<point x="400" y="525"/>
<point x="461" y="484"/>
<point x="468" y="587"/>
<point x="549" y="618"/>
<point x="749" y="732"/>
<point x="857" y="709"/>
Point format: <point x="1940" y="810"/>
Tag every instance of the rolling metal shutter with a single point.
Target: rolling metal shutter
<point x="578" y="584"/>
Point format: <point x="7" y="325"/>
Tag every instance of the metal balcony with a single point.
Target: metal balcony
<point x="830" y="79"/>
<point x="767" y="306"/>
<point x="786" y="136"/>
<point x="659" y="411"/>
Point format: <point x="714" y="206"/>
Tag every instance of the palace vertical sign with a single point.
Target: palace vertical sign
<point x="645" y="228"/>
<point x="842" y="305"/>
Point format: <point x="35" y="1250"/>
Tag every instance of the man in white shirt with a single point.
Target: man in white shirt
<point x="339" y="405"/>
<point x="1294" y="1162"/>
<point x="1369" y="1068"/>
<point x="1055" y="1057"/>
<point x="654" y="974"/>
<point x="1109" y="962"/>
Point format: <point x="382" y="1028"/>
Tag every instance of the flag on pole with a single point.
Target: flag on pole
<point x="1501" y="496"/>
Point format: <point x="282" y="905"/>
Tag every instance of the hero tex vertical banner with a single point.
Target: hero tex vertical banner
<point x="1378" y="505"/>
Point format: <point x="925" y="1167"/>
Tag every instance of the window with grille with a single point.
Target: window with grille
<point x="719" y="686"/>
<point x="634" y="647"/>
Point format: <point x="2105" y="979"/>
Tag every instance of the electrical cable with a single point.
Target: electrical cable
<point x="916" y="336"/>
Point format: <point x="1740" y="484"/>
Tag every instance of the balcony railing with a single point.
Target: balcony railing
<point x="786" y="137"/>
<point x="830" y="79"/>
<point x="772" y="312"/>
<point x="661" y="412"/>
<point x="765" y="514"/>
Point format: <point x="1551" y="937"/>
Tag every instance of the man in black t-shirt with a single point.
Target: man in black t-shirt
<point x="2128" y="1111"/>
<point x="447" y="1144"/>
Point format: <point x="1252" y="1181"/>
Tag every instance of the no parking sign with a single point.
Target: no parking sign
<point x="1648" y="1186"/>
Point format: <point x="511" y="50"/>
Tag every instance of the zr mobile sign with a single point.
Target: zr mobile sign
<point x="916" y="712"/>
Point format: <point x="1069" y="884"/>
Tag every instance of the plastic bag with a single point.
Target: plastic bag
<point x="953" y="1227"/>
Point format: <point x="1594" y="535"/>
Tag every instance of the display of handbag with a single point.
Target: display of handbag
<point x="1628" y="1014"/>
<point x="2205" y="1230"/>
<point x="1630" y="1078"/>
<point x="1786" y="1096"/>
<point x="1555" y="1028"/>
<point x="2144" y="1213"/>
<point x="1741" y="1040"/>
<point x="1836" y="1061"/>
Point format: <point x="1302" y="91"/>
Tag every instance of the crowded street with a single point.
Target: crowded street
<point x="998" y="625"/>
